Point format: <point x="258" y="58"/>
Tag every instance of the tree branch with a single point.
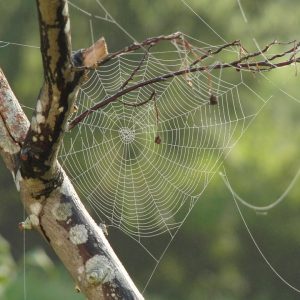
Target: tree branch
<point x="30" y="153"/>
<point x="239" y="64"/>
<point x="134" y="47"/>
<point x="13" y="125"/>
<point x="57" y="95"/>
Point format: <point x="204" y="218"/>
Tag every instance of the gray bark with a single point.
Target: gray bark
<point x="30" y="152"/>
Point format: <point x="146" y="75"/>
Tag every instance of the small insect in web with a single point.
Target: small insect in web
<point x="213" y="100"/>
<point x="157" y="140"/>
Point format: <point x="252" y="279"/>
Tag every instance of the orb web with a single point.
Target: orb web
<point x="143" y="172"/>
<point x="142" y="167"/>
<point x="126" y="135"/>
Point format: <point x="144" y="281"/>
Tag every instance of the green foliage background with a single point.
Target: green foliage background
<point x="213" y="256"/>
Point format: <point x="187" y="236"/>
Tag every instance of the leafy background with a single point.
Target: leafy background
<point x="213" y="256"/>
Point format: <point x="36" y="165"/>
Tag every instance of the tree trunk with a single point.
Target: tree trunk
<point x="30" y="153"/>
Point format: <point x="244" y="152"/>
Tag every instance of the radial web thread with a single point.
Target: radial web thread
<point x="142" y="168"/>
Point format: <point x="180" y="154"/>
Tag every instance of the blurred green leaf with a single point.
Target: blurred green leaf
<point x="7" y="266"/>
<point x="38" y="258"/>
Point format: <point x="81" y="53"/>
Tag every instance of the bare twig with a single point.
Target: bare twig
<point x="135" y="70"/>
<point x="242" y="63"/>
<point x="212" y="53"/>
<point x="141" y="103"/>
<point x="134" y="47"/>
<point x="292" y="50"/>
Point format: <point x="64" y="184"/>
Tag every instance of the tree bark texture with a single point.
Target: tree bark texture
<point x="30" y="152"/>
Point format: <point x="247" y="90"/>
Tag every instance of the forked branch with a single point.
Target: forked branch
<point x="134" y="47"/>
<point x="246" y="62"/>
<point x="30" y="153"/>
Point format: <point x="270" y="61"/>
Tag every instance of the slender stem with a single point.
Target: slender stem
<point x="140" y="103"/>
<point x="254" y="66"/>
<point x="134" y="47"/>
<point x="130" y="78"/>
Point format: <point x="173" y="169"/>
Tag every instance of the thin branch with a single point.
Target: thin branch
<point x="293" y="50"/>
<point x="212" y="53"/>
<point x="240" y="64"/>
<point x="141" y="103"/>
<point x="267" y="47"/>
<point x="136" y="69"/>
<point x="134" y="47"/>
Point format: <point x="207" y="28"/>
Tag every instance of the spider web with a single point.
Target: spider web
<point x="143" y="168"/>
<point x="144" y="186"/>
